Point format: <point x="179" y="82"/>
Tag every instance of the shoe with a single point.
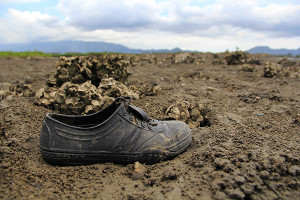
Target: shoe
<point x="121" y="133"/>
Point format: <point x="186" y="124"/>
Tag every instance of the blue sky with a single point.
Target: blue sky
<point x="204" y="25"/>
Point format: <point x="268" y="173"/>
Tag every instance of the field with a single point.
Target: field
<point x="249" y="147"/>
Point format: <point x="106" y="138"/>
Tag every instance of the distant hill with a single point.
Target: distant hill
<point x="268" y="50"/>
<point x="69" y="46"/>
<point x="78" y="47"/>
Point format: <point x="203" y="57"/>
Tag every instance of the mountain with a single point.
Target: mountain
<point x="78" y="47"/>
<point x="268" y="50"/>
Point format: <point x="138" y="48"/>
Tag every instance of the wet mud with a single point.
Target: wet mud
<point x="244" y="116"/>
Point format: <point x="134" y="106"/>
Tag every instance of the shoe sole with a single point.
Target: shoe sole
<point x="149" y="156"/>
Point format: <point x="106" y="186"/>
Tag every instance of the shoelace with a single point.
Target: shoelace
<point x="137" y="111"/>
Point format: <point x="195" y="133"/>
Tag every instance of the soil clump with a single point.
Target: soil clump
<point x="244" y="119"/>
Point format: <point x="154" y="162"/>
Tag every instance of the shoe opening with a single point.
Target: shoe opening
<point x="85" y="121"/>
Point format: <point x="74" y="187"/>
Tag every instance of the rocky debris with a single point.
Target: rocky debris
<point x="220" y="195"/>
<point x="149" y="58"/>
<point x="285" y="62"/>
<point x="256" y="97"/>
<point x="86" y="98"/>
<point x="199" y="61"/>
<point x="135" y="60"/>
<point x="84" y="85"/>
<point x="73" y="98"/>
<point x="294" y="170"/>
<point x="236" y="194"/>
<point x="179" y="111"/>
<point x="4" y="94"/>
<point x="292" y="72"/>
<point x="255" y="61"/>
<point x="220" y="163"/>
<point x="250" y="173"/>
<point x="180" y="58"/>
<point x="217" y="60"/>
<point x="138" y="172"/>
<point x="176" y="58"/>
<point x="2" y="131"/>
<point x="22" y="89"/>
<point x="264" y="174"/>
<point x="237" y="58"/>
<point x="271" y="70"/>
<point x="147" y="90"/>
<point x="193" y="114"/>
<point x="297" y="120"/>
<point x="169" y="175"/>
<point x="247" y="68"/>
<point x="112" y="88"/>
<point x="18" y="89"/>
<point x="198" y="76"/>
<point x="81" y="69"/>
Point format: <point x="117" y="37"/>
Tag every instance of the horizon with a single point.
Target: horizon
<point x="194" y="25"/>
<point x="153" y="49"/>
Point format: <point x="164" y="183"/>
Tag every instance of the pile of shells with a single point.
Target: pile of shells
<point x="255" y="61"/>
<point x="148" y="58"/>
<point x="73" y="98"/>
<point x="84" y="85"/>
<point x="247" y="68"/>
<point x="198" y="75"/>
<point x="86" y="98"/>
<point x="271" y="70"/>
<point x="281" y="70"/>
<point x="237" y="58"/>
<point x="80" y="69"/>
<point x="135" y="60"/>
<point x="217" y="60"/>
<point x="18" y="89"/>
<point x="147" y="90"/>
<point x="193" y="114"/>
<point x="112" y="88"/>
<point x="179" y="58"/>
<point x="285" y="62"/>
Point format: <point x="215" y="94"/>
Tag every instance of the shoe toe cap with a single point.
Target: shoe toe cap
<point x="176" y="129"/>
<point x="179" y="135"/>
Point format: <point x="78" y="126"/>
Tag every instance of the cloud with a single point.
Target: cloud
<point x="183" y="16"/>
<point x="19" y="1"/>
<point x="28" y="26"/>
<point x="192" y="24"/>
<point x="107" y="14"/>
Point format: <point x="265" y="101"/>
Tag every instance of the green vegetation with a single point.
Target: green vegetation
<point x="23" y="54"/>
<point x="80" y="54"/>
<point x="42" y="54"/>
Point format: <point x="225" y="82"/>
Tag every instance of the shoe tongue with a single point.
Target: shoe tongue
<point x="139" y="112"/>
<point x="123" y="99"/>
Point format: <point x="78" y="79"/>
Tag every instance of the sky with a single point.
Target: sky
<point x="202" y="25"/>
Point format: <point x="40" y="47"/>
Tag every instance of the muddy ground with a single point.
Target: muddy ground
<point x="250" y="149"/>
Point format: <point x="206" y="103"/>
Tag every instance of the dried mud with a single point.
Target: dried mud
<point x="248" y="147"/>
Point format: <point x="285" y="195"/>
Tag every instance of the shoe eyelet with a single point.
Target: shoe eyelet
<point x="149" y="126"/>
<point x="153" y="123"/>
<point x="130" y="118"/>
<point x="143" y="124"/>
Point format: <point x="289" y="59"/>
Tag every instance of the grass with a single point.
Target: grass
<point x="80" y="54"/>
<point x="25" y="54"/>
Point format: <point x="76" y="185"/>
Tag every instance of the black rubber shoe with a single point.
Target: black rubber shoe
<point x="120" y="133"/>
